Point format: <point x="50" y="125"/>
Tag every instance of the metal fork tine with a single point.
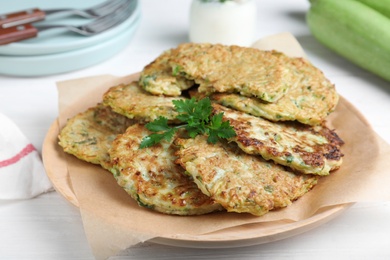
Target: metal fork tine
<point x="34" y="15"/>
<point x="105" y="8"/>
<point x="111" y="20"/>
<point x="100" y="24"/>
<point x="26" y="31"/>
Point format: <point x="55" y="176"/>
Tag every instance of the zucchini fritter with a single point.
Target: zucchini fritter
<point x="238" y="181"/>
<point x="248" y="71"/>
<point x="306" y="149"/>
<point x="133" y="102"/>
<point x="308" y="102"/>
<point x="157" y="78"/>
<point x="151" y="177"/>
<point x="89" y="134"/>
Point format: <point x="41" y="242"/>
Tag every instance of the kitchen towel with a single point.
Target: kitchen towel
<point x="22" y="175"/>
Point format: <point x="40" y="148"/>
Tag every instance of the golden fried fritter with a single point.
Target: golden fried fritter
<point x="306" y="149"/>
<point x="266" y="76"/>
<point x="233" y="69"/>
<point x="132" y="101"/>
<point x="238" y="181"/>
<point x="157" y="77"/>
<point x="89" y="134"/>
<point x="151" y="177"/>
<point x="308" y="102"/>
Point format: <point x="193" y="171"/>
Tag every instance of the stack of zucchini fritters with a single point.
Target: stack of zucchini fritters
<point x="277" y="106"/>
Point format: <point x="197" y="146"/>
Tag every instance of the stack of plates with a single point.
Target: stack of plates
<point x="57" y="51"/>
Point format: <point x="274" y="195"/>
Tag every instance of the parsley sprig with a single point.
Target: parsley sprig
<point x="197" y="119"/>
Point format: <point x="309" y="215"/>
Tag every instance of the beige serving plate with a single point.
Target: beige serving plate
<point x="56" y="165"/>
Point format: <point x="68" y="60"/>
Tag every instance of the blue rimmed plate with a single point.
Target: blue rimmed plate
<point x="57" y="41"/>
<point x="42" y="65"/>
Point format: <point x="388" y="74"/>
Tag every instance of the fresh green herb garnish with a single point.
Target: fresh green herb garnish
<point x="290" y="159"/>
<point x="197" y="119"/>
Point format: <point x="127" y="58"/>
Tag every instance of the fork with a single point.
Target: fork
<point x="36" y="14"/>
<point x="97" y="26"/>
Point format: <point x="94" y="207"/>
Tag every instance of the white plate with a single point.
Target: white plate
<point x="41" y="65"/>
<point x="58" y="40"/>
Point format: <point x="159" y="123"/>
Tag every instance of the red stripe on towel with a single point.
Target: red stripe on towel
<point x="25" y="151"/>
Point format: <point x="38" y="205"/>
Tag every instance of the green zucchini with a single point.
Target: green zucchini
<point x="382" y="6"/>
<point x="354" y="30"/>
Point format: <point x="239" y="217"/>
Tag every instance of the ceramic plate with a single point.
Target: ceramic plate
<point x="41" y="65"/>
<point x="59" y="40"/>
<point x="57" y="164"/>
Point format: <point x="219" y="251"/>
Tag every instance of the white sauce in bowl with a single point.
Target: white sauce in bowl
<point x="230" y="22"/>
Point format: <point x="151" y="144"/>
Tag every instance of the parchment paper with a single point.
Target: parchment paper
<point x="114" y="222"/>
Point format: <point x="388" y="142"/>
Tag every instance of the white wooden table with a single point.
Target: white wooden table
<point x="49" y="227"/>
